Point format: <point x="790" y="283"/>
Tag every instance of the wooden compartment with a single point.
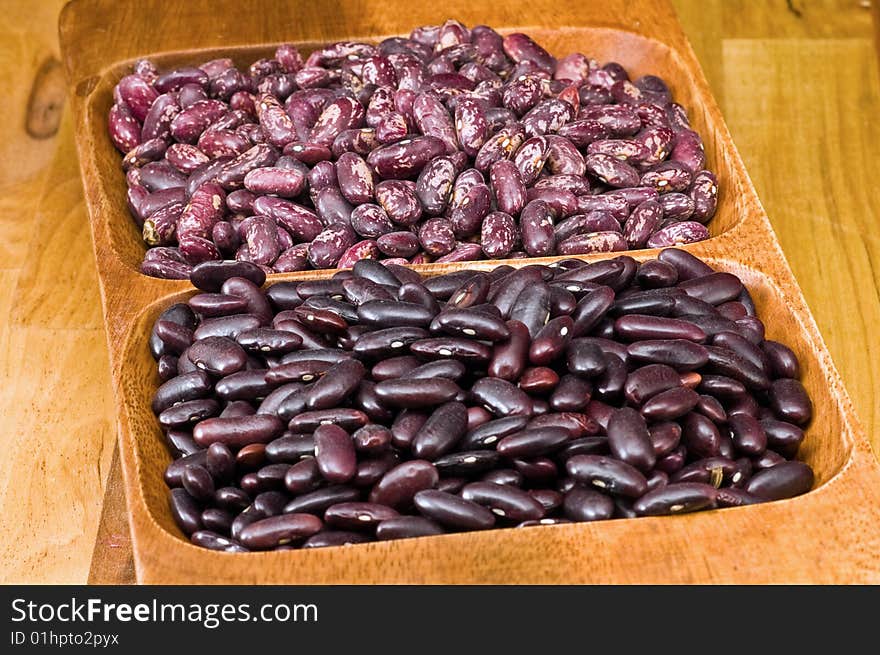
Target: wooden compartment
<point x="828" y="535"/>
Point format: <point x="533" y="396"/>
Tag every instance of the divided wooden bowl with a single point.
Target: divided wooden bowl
<point x="829" y="535"/>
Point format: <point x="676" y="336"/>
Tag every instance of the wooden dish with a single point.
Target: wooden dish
<point x="827" y="535"/>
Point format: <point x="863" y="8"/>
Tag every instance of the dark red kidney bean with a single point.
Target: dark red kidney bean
<point x="687" y="265"/>
<point x="395" y="367"/>
<point x="551" y="340"/>
<point x="585" y="359"/>
<point x="790" y="402"/>
<point x="670" y="404"/>
<point x="210" y="276"/>
<point x="348" y="419"/>
<point x="453" y="511"/>
<point x="358" y="515"/>
<point x="538" y="380"/>
<point x="639" y="327"/>
<point x="470" y="323"/>
<point x="465" y="463"/>
<point x="219" y="356"/>
<point x="748" y="435"/>
<point x="174" y="472"/>
<point x="509" y="477"/>
<point x="441" y="432"/>
<point x="444" y="368"/>
<point x="176" y="338"/>
<point x="290" y="448"/>
<point x="337" y="383"/>
<point x="327" y="538"/>
<point x="783" y="363"/>
<point x="370" y="471"/>
<point x="784" y="480"/>
<point x="629" y="439"/>
<point x="185" y="511"/>
<point x="406" y="527"/>
<point x="728" y="363"/>
<point x="784" y="438"/>
<point x="244" y="385"/>
<point x="414" y="394"/>
<point x="280" y="530"/>
<point x="267" y="340"/>
<point x="656" y="302"/>
<point x="767" y="459"/>
<point x="676" y="498"/>
<point x="700" y="435"/>
<point x="581" y="504"/>
<point x="714" y="288"/>
<point x="540" y="471"/>
<point x="217" y="304"/>
<point x="198" y="482"/>
<point x="317" y="502"/>
<point x="590" y="310"/>
<point x="730" y="497"/>
<point x="387" y="342"/>
<point x="711" y="408"/>
<point x="303" y="476"/>
<point x="477" y="416"/>
<point x="501" y="397"/>
<point x="298" y="371"/>
<point x="657" y="479"/>
<point x="474" y="291"/>
<point x="462" y="349"/>
<point x="232" y="499"/>
<point x="711" y="470"/>
<point x="532" y="307"/>
<point x="680" y="354"/>
<point x="722" y="387"/>
<point x="491" y="432"/>
<point x="385" y="313"/>
<point x="188" y="413"/>
<point x="189" y="386"/>
<point x="505" y="501"/>
<point x="741" y="346"/>
<point x="609" y="386"/>
<point x="509" y="357"/>
<point x="532" y="442"/>
<point x="167" y="367"/>
<point x="610" y="475"/>
<point x="399" y="485"/>
<point x="665" y="437"/>
<point x="505" y="292"/>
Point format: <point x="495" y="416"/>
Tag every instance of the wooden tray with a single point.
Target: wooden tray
<point x="827" y="535"/>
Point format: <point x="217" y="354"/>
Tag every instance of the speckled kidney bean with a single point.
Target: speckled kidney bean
<point x="642" y="223"/>
<point x="406" y="158"/>
<point x="498" y="235"/>
<point x="434" y="185"/>
<point x="704" y="193"/>
<point x="536" y="228"/>
<point x="677" y="234"/>
<point x="399" y="200"/>
<point x="329" y="245"/>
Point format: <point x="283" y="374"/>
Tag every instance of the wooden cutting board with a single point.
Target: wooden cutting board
<point x="829" y="239"/>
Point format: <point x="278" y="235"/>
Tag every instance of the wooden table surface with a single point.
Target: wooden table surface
<point x="797" y="81"/>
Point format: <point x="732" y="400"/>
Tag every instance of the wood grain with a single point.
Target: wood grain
<point x="843" y="31"/>
<point x="742" y="242"/>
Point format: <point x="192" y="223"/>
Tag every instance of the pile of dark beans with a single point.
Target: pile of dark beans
<point x="450" y="145"/>
<point x="379" y="405"/>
